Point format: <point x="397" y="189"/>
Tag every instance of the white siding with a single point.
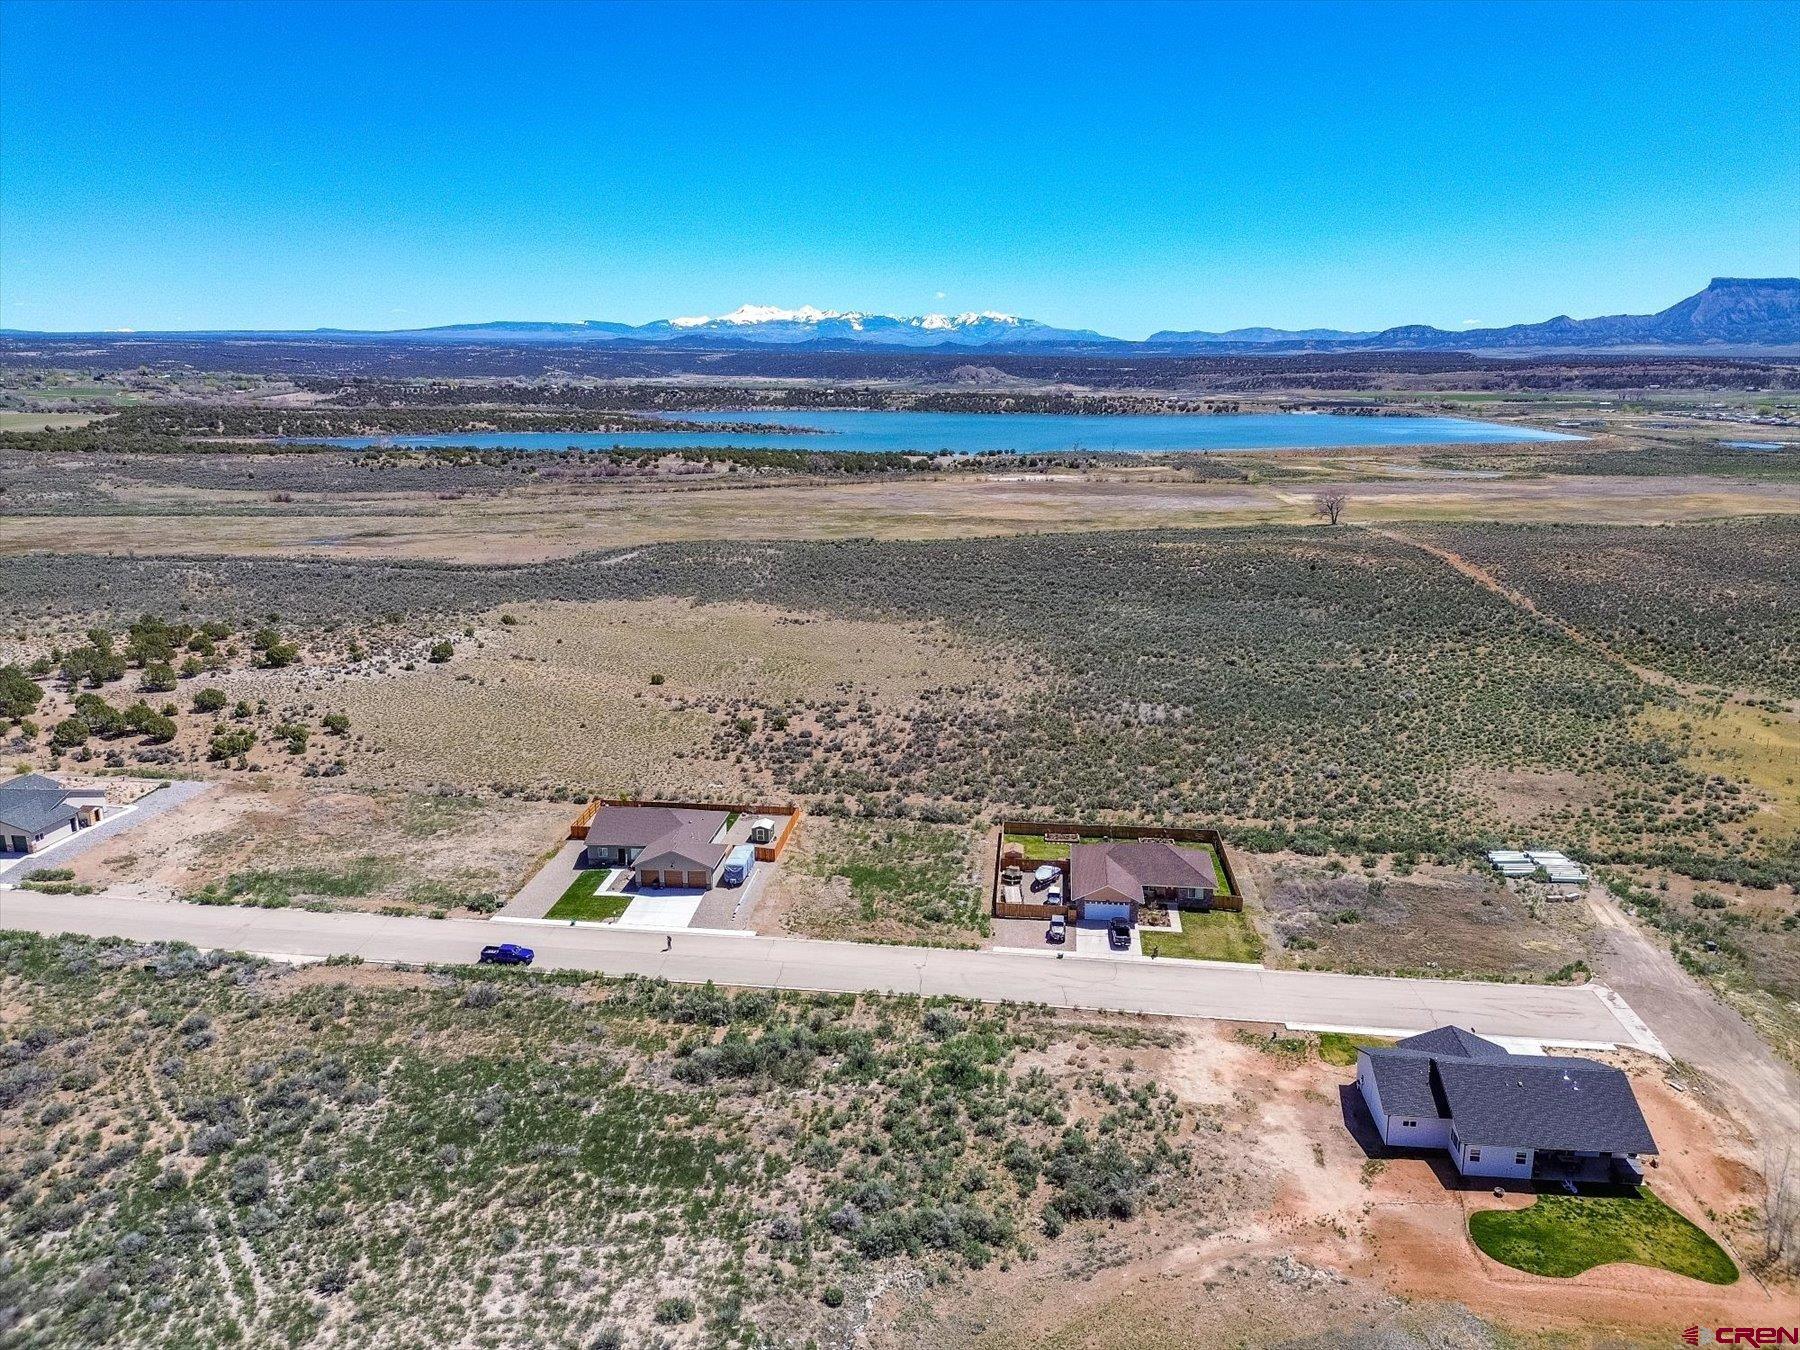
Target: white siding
<point x="1365" y="1078"/>
<point x="1490" y="1160"/>
<point x="1421" y="1132"/>
<point x="1403" y="1131"/>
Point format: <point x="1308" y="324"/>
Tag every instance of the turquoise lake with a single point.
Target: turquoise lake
<point x="1024" y="433"/>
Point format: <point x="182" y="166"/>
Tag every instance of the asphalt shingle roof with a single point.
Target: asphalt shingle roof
<point x="33" y="803"/>
<point x="1125" y="869"/>
<point x="668" y="836"/>
<point x="1515" y="1101"/>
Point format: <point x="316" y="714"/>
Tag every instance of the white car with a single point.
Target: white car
<point x="1058" y="931"/>
<point x="1055" y="893"/>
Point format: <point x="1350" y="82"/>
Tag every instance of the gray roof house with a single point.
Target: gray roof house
<point x="667" y="845"/>
<point x="36" y="810"/>
<point x="1504" y="1115"/>
<point x="1112" y="881"/>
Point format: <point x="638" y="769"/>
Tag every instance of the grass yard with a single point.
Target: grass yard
<point x="1335" y="1047"/>
<point x="585" y="901"/>
<point x="1563" y="1235"/>
<point x="1219" y="935"/>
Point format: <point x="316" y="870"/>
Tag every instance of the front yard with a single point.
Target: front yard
<point x="1216" y="935"/>
<point x="585" y="901"/>
<point x="1563" y="1235"/>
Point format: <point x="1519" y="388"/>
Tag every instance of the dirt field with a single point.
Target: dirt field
<point x="1438" y="920"/>
<point x="538" y="523"/>
<point x="349" y="847"/>
<point x="1322" y="1245"/>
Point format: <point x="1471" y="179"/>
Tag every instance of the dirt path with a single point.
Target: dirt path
<point x="1698" y="1030"/>
<point x="1687" y="1017"/>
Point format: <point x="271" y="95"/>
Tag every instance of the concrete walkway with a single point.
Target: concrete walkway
<point x="144" y="810"/>
<point x="1568" y="1016"/>
<point x="547" y="884"/>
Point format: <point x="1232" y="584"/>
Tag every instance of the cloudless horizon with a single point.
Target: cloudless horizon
<point x="1124" y="168"/>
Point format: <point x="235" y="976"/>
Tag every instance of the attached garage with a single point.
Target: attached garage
<point x="1105" y="911"/>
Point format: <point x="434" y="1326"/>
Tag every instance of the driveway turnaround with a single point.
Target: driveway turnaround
<point x="1560" y="1015"/>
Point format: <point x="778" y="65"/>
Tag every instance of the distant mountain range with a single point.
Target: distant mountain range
<point x="1730" y="312"/>
<point x="768" y="324"/>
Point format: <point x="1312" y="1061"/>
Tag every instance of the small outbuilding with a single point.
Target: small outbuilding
<point x="762" y="831"/>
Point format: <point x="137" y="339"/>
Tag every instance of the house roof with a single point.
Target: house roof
<point x="1515" y="1101"/>
<point x="1121" y="871"/>
<point x="668" y="836"/>
<point x="34" y="802"/>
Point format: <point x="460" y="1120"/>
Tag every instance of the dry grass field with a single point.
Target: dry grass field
<point x="594" y="697"/>
<point x="533" y="523"/>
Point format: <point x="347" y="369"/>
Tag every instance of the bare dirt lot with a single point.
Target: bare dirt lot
<point x="260" y="842"/>
<point x="1437" y="920"/>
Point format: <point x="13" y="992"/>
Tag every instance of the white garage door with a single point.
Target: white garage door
<point x="1105" y="911"/>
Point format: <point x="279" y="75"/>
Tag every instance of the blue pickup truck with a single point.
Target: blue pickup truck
<point x="738" y="865"/>
<point x="507" y="954"/>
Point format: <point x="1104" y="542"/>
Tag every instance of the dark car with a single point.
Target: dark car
<point x="507" y="954"/>
<point x="1118" y="935"/>
<point x="1058" y="932"/>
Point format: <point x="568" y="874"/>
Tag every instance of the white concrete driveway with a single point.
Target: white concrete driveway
<point x="661" y="910"/>
<point x="1559" y="1015"/>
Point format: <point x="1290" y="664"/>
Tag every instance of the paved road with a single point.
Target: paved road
<point x="149" y="807"/>
<point x="1562" y="1016"/>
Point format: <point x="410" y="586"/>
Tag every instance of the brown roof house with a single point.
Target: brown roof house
<point x="665" y="845"/>
<point x="1113" y="881"/>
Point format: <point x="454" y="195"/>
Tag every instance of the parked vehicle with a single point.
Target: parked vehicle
<point x="1044" y="876"/>
<point x="1056" y="892"/>
<point x="1118" y="935"/>
<point x="738" y="865"/>
<point x="507" y="954"/>
<point x="1058" y="931"/>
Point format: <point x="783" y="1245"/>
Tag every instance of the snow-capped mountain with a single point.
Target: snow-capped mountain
<point x="771" y="325"/>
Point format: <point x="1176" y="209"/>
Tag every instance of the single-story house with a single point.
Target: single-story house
<point x="36" y="810"/>
<point x="1113" y="881"/>
<point x="665" y="845"/>
<point x="1504" y="1115"/>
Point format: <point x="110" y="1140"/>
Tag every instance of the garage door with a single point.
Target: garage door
<point x="1105" y="911"/>
<point x="650" y="877"/>
<point x="701" y="879"/>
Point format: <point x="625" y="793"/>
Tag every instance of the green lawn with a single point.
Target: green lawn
<point x="583" y="899"/>
<point x="1563" y="1235"/>
<point x="1219" y="935"/>
<point x="1335" y="1047"/>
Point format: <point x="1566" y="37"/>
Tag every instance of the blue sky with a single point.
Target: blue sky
<point x="1118" y="167"/>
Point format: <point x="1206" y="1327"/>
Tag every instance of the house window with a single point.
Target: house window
<point x="1474" y="1155"/>
<point x="1519" y="1158"/>
<point x="1408" y="1124"/>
